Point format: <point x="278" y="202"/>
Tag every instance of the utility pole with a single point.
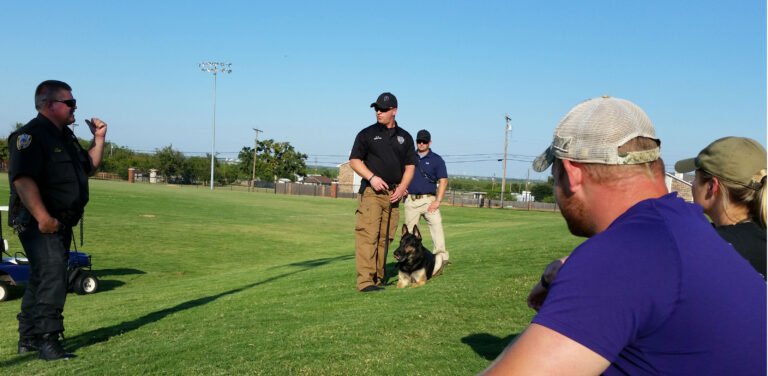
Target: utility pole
<point x="215" y="68"/>
<point x="507" y="128"/>
<point x="527" y="180"/>
<point x="255" y="146"/>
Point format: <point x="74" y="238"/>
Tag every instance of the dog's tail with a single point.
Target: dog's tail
<point x="440" y="263"/>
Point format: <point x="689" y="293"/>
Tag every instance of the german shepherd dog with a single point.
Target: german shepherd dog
<point x="415" y="263"/>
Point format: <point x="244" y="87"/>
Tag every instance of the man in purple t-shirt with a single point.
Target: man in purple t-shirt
<point x="654" y="290"/>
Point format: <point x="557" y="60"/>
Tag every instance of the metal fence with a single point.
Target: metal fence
<point x="452" y="197"/>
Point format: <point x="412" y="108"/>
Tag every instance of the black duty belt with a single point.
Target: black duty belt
<point x="391" y="188"/>
<point x="420" y="195"/>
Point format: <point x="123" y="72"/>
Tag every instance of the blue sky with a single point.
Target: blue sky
<point x="306" y="72"/>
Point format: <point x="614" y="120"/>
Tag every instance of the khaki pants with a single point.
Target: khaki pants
<point x="414" y="209"/>
<point x="370" y="235"/>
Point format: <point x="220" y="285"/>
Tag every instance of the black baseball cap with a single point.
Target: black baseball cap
<point x="424" y="135"/>
<point x="385" y="100"/>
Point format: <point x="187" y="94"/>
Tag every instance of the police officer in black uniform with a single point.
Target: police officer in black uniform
<point x="48" y="177"/>
<point x="383" y="154"/>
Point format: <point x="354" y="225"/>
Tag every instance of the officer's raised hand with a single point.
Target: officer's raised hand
<point x="97" y="126"/>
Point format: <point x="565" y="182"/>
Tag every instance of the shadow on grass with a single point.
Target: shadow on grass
<point x="488" y="346"/>
<point x="308" y="264"/>
<point x="109" y="284"/>
<point x="104" y="334"/>
<point x="104" y="285"/>
<point x="121" y="271"/>
<point x="390" y="269"/>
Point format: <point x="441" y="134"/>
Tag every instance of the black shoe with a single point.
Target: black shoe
<point x="28" y="344"/>
<point x="50" y="348"/>
<point x="372" y="288"/>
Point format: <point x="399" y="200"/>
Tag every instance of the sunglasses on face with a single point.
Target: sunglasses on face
<point x="422" y="142"/>
<point x="69" y="102"/>
<point x="382" y="110"/>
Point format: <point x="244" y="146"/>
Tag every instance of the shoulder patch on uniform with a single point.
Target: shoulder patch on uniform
<point x="23" y="141"/>
<point x="400" y="139"/>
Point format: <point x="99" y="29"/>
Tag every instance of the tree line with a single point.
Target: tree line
<point x="273" y="160"/>
<point x="542" y="191"/>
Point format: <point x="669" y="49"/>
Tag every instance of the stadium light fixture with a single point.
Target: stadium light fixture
<point x="215" y="68"/>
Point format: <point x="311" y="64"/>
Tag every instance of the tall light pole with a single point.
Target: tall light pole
<point x="255" y="146"/>
<point x="507" y="128"/>
<point x="215" y="68"/>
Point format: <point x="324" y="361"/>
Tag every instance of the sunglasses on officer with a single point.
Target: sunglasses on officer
<point x="382" y="110"/>
<point x="69" y="102"/>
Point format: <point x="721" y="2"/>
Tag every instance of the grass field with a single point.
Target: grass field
<point x="231" y="283"/>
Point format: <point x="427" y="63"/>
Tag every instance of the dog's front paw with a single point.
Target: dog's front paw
<point x="403" y="280"/>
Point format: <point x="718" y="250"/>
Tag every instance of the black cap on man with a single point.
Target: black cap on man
<point x="385" y="101"/>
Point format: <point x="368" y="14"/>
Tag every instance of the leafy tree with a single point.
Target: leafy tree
<point x="227" y="173"/>
<point x="118" y="159"/>
<point x="170" y="163"/>
<point x="328" y="172"/>
<point x="4" y="143"/>
<point x="287" y="162"/>
<point x="4" y="149"/>
<point x="516" y="187"/>
<point x="246" y="162"/>
<point x="470" y="184"/>
<point x="199" y="169"/>
<point x="542" y="192"/>
<point x="273" y="160"/>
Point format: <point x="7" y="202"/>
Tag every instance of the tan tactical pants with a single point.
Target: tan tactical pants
<point x="416" y="208"/>
<point x="370" y="235"/>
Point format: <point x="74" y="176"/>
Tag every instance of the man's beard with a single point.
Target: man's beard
<point x="576" y="215"/>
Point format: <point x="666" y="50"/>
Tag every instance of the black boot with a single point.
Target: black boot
<point x="50" y="348"/>
<point x="28" y="344"/>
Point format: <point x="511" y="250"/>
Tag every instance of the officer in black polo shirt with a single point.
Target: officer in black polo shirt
<point x="384" y="156"/>
<point x="48" y="177"/>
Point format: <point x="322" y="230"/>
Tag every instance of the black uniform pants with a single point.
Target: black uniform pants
<point x="43" y="302"/>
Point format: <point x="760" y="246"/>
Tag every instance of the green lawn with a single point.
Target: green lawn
<point x="230" y="283"/>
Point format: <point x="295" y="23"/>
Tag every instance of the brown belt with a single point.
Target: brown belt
<point x="416" y="197"/>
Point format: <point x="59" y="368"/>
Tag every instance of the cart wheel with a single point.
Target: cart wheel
<point x="86" y="283"/>
<point x="4" y="292"/>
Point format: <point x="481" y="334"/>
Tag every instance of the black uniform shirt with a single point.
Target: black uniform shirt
<point x="57" y="163"/>
<point x="748" y="238"/>
<point x="385" y="151"/>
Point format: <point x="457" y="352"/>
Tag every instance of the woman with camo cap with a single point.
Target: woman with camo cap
<point x="730" y="185"/>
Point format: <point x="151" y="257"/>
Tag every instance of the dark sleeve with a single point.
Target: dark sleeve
<point x="441" y="172"/>
<point x="26" y="154"/>
<point x="411" y="158"/>
<point x="85" y="160"/>
<point x="359" y="148"/>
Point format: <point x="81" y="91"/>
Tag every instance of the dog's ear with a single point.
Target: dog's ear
<point x="404" y="230"/>
<point x="416" y="232"/>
